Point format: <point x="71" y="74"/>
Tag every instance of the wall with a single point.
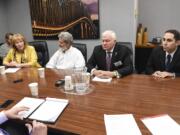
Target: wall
<point x="159" y="16"/>
<point x="3" y="21"/>
<point x="117" y="15"/>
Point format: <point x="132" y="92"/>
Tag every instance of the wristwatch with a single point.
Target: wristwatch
<point x="116" y="74"/>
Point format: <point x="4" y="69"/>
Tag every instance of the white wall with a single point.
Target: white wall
<point x="159" y="16"/>
<point x="3" y="21"/>
<point x="117" y="15"/>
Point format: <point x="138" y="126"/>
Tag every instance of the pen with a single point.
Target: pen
<point x="18" y="80"/>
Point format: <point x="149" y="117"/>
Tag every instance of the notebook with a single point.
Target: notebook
<point x="45" y="110"/>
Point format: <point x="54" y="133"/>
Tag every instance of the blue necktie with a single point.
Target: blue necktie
<point x="168" y="61"/>
<point x="108" y="61"/>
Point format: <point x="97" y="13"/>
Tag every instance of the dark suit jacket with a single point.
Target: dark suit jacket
<point x="121" y="60"/>
<point x="157" y="59"/>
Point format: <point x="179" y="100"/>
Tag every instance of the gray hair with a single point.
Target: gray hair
<point x="66" y="37"/>
<point x="111" y="33"/>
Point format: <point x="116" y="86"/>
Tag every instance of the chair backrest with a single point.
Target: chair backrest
<point x="1" y="59"/>
<point x="42" y="51"/>
<point x="128" y="45"/>
<point x="82" y="48"/>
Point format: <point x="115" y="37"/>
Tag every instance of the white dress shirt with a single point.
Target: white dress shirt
<point x="71" y="58"/>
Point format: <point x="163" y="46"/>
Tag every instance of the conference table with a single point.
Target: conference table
<point x="137" y="94"/>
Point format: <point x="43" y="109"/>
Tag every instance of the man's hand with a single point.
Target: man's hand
<point x="13" y="113"/>
<point x="97" y="72"/>
<point x="37" y="128"/>
<point x="103" y="74"/>
<point x="164" y="74"/>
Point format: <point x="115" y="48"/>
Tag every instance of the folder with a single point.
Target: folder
<point x="45" y="110"/>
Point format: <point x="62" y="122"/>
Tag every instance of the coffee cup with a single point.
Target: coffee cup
<point x="2" y="70"/>
<point x="41" y="72"/>
<point x="34" y="89"/>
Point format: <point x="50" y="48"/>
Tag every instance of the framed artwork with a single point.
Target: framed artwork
<point x="79" y="17"/>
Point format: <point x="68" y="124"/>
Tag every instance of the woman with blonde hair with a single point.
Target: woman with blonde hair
<point x="21" y="54"/>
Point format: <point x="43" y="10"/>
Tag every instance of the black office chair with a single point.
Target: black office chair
<point x="82" y="48"/>
<point x="128" y="45"/>
<point x="42" y="51"/>
<point x="1" y="59"/>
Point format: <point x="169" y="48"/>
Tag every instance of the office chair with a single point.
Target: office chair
<point x="82" y="48"/>
<point x="42" y="51"/>
<point x="1" y="59"/>
<point x="128" y="45"/>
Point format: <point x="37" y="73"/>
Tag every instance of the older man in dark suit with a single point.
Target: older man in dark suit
<point x="110" y="59"/>
<point x="165" y="60"/>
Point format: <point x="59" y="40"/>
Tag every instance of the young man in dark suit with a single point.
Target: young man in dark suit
<point x="164" y="60"/>
<point x="110" y="59"/>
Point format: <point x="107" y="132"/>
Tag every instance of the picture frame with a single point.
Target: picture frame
<point x="50" y="17"/>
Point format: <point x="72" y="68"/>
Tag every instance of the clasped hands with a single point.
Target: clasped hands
<point x="14" y="64"/>
<point x="162" y="74"/>
<point x="103" y="74"/>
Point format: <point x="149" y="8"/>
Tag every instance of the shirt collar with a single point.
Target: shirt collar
<point x="64" y="51"/>
<point x="110" y="50"/>
<point x="172" y="54"/>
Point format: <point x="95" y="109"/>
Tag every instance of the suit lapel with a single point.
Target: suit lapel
<point x="103" y="58"/>
<point x="175" y="58"/>
<point x="162" y="58"/>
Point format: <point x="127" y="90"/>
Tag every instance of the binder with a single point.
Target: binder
<point x="45" y="110"/>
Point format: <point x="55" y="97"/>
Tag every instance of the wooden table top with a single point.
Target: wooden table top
<point x="140" y="95"/>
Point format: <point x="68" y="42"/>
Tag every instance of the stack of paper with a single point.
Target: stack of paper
<point x="11" y="70"/>
<point x="121" y="125"/>
<point x="101" y="79"/>
<point x="162" y="125"/>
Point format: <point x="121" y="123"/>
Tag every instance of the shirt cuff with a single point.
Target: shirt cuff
<point x="93" y="71"/>
<point x="3" y="117"/>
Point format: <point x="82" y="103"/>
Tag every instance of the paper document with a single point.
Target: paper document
<point x="101" y="79"/>
<point x="123" y="124"/>
<point x="11" y="70"/>
<point x="47" y="110"/>
<point x="31" y="103"/>
<point x="162" y="125"/>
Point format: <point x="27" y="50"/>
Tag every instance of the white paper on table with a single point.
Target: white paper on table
<point x="123" y="124"/>
<point x="11" y="70"/>
<point x="101" y="79"/>
<point x="31" y="103"/>
<point x="162" y="125"/>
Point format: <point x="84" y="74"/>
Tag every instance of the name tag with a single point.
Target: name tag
<point x="118" y="63"/>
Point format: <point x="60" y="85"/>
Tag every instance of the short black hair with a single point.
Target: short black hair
<point x="175" y="33"/>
